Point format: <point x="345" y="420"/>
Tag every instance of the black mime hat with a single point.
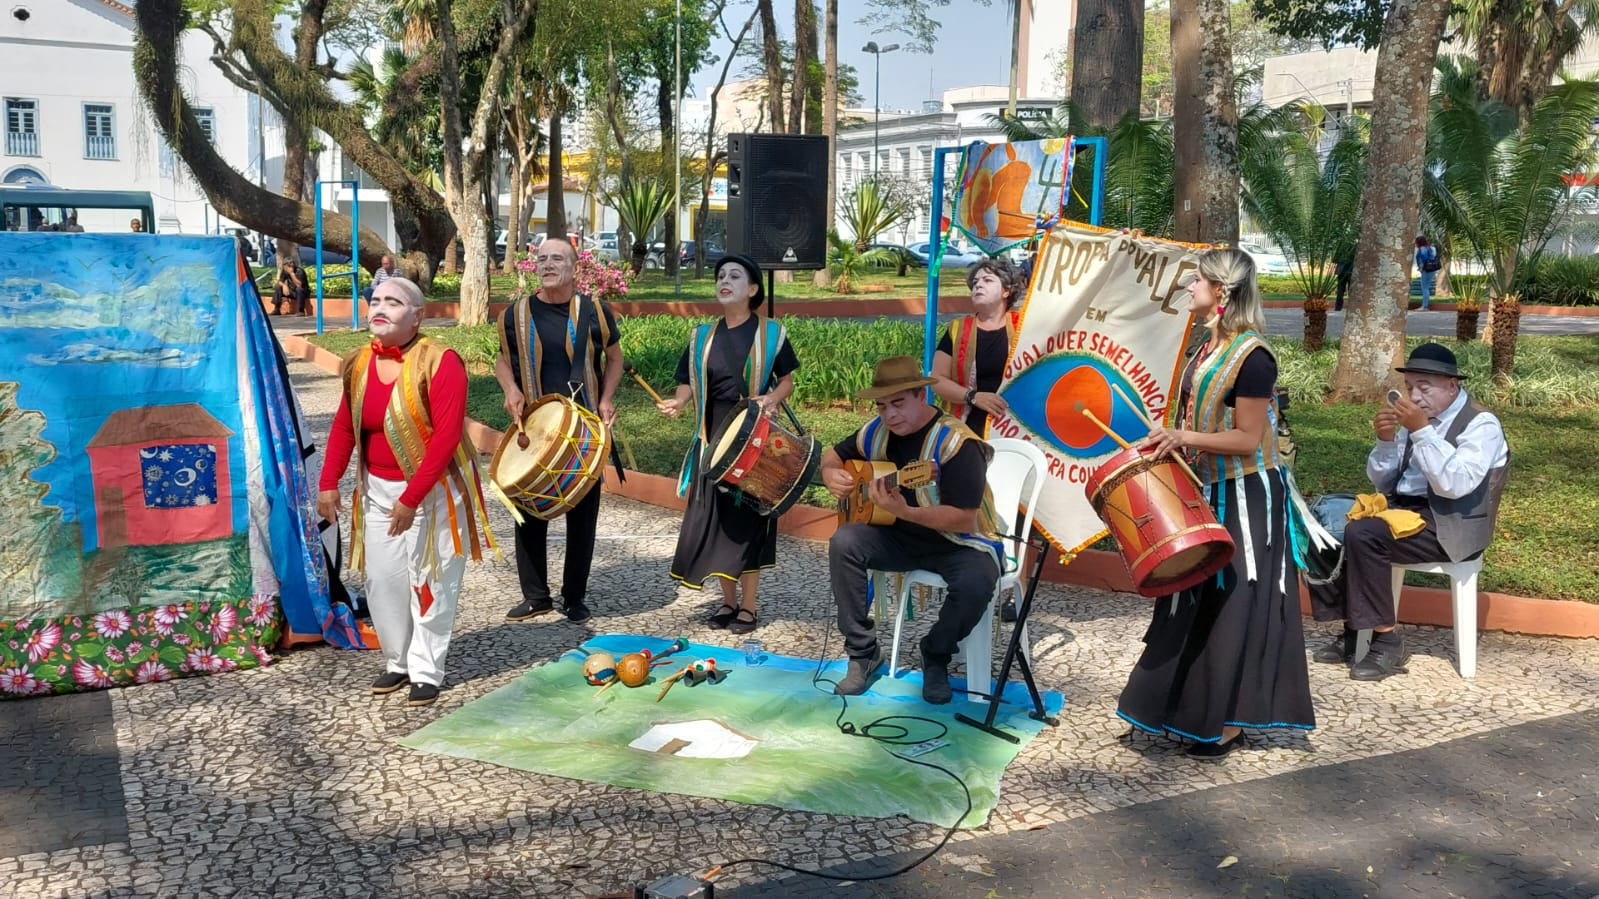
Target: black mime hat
<point x="1431" y="359"/>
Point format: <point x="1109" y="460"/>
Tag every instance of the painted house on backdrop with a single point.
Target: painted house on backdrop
<point x="161" y="476"/>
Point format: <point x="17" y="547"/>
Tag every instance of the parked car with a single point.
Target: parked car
<point x="956" y="256"/>
<point x="897" y="251"/>
<point x="308" y="256"/>
<point x="1268" y="260"/>
<point x="604" y="247"/>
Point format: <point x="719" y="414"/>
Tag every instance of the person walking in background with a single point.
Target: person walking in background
<point x="1344" y="272"/>
<point x="1427" y="264"/>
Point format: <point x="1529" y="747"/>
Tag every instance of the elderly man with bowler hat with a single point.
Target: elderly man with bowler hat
<point x="947" y="526"/>
<point x="1440" y="455"/>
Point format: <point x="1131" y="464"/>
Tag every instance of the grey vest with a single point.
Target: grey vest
<point x="1466" y="524"/>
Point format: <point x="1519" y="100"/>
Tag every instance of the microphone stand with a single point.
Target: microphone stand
<point x="1014" y="656"/>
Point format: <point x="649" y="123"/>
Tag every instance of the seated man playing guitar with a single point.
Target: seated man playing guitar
<point x="942" y="520"/>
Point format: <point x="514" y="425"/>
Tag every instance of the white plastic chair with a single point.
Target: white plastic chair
<point x="1463" y="596"/>
<point x="1015" y="479"/>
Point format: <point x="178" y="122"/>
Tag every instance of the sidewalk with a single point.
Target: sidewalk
<point x="287" y="780"/>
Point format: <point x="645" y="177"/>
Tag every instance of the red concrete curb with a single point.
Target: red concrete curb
<point x="1095" y="569"/>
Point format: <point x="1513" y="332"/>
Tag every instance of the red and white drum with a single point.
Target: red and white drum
<point x="1168" y="535"/>
<point x="758" y="456"/>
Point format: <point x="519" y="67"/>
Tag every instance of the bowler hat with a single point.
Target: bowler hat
<point x="1431" y="359"/>
<point x="894" y="374"/>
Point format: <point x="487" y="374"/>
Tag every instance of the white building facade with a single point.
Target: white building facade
<point x="73" y="116"/>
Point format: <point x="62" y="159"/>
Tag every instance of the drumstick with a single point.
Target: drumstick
<point x="1083" y="408"/>
<point x="1139" y="411"/>
<point x="628" y="367"/>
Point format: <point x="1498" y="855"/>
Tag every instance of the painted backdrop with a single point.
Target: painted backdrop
<point x="154" y="512"/>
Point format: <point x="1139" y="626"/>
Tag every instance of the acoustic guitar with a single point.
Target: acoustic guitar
<point x="857" y="505"/>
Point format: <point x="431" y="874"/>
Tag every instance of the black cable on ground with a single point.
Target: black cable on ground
<point x="879" y="730"/>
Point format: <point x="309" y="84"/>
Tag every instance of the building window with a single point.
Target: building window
<point x="99" y="140"/>
<point x="208" y="122"/>
<point x="22" y="127"/>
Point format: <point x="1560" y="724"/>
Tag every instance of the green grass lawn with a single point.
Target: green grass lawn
<point x="1548" y="543"/>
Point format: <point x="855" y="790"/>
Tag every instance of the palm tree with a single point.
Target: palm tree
<point x="640" y="203"/>
<point x="1308" y="204"/>
<point x="1500" y="184"/>
<point x="871" y="210"/>
<point x="847" y="261"/>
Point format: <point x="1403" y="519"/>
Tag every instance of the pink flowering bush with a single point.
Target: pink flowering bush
<point x="600" y="280"/>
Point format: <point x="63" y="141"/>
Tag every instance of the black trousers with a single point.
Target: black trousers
<point x="970" y="574"/>
<point x="1362" y="596"/>
<point x="532" y="557"/>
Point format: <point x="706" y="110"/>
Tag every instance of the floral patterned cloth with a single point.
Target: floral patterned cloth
<point x="136" y="645"/>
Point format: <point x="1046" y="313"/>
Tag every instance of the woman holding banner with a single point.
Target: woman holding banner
<point x="1229" y="654"/>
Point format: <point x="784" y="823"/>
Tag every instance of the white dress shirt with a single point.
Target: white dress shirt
<point x="1450" y="471"/>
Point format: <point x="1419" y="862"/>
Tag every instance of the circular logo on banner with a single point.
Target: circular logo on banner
<point x="1044" y="398"/>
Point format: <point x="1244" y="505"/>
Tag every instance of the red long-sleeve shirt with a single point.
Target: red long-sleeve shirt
<point x="446" y="409"/>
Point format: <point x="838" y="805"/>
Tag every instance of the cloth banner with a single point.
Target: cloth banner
<point x="154" y="509"/>
<point x="1104" y="325"/>
<point x="1010" y="192"/>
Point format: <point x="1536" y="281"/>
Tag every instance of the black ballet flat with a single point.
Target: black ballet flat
<point x="1217" y="750"/>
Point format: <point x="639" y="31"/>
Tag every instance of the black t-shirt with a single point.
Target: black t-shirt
<point x="552" y="322"/>
<point x="992" y="348"/>
<point x="960" y="481"/>
<point x="724" y="371"/>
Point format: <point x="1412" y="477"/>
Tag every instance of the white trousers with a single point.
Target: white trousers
<point x="413" y="605"/>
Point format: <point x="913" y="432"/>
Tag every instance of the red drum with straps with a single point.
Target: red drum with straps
<point x="770" y="464"/>
<point x="1168" y="535"/>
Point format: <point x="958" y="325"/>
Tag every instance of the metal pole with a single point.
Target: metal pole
<point x="1015" y="56"/>
<point x="677" y="147"/>
<point x="930" y="327"/>
<point x="877" y="106"/>
<point x="355" y="255"/>
<point x="318" y="206"/>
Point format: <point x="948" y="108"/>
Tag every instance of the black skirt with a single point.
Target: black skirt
<point x="1232" y="650"/>
<point x="722" y="534"/>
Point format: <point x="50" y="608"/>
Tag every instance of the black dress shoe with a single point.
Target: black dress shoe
<point x="528" y="609"/>
<point x="1219" y="749"/>
<point x="1339" y="651"/>
<point x="577" y="611"/>
<point x="1384" y="659"/>
<point x="1007" y="612"/>
<point x="935" y="685"/>
<point x="422" y="694"/>
<point x="389" y="682"/>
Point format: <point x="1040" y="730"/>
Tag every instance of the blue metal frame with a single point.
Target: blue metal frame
<point x="935" y="253"/>
<point x="355" y="254"/>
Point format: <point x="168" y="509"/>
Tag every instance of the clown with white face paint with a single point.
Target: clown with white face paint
<point x="743" y="357"/>
<point x="418" y="506"/>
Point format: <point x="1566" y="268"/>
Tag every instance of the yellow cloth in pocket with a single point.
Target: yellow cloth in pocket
<point x="1401" y="522"/>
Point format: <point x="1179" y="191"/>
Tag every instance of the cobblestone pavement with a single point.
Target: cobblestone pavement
<point x="287" y="781"/>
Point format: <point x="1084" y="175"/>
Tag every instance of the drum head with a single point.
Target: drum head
<point x="728" y="440"/>
<point x="546" y="420"/>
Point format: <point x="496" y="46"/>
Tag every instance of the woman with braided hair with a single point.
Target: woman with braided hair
<point x="1230" y="653"/>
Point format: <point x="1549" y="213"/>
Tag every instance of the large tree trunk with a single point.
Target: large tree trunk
<point x="663" y="109"/>
<point x="466" y="156"/>
<point x="1390" y="205"/>
<point x="316" y="107"/>
<point x="555" y="201"/>
<point x="1107" y="68"/>
<point x="772" y="58"/>
<point x="155" y="56"/>
<point x="1205" y="122"/>
<point x="804" y="52"/>
<point x="830" y="124"/>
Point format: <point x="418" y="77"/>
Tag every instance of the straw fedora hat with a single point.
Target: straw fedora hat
<point x="894" y="374"/>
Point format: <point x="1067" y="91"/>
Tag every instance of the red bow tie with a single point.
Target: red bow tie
<point x="388" y="352"/>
